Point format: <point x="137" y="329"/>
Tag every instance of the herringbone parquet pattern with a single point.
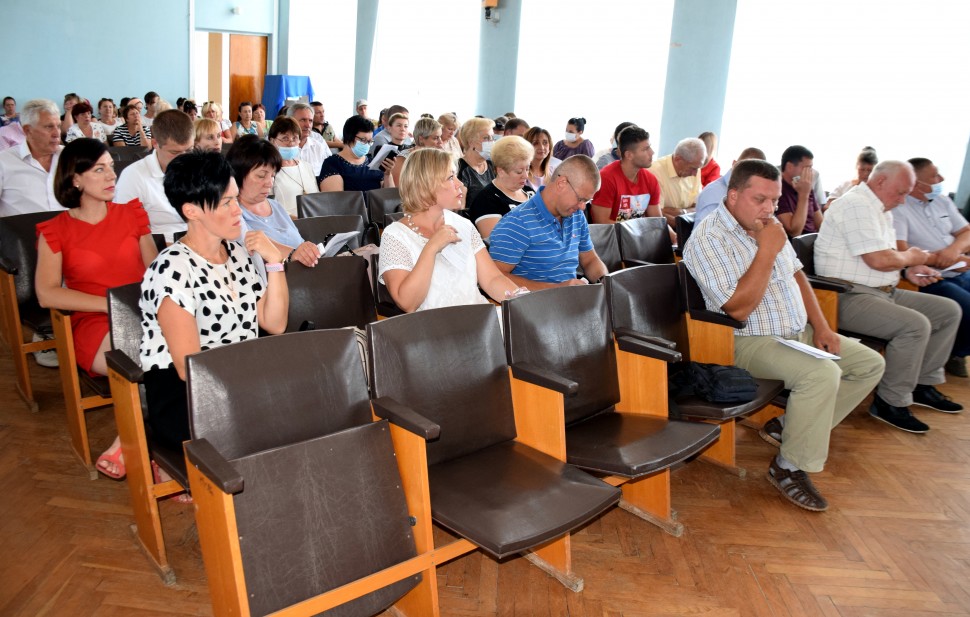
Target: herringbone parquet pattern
<point x="896" y="541"/>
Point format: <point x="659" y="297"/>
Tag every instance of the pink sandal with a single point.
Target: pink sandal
<point x="106" y="461"/>
<point x="157" y="477"/>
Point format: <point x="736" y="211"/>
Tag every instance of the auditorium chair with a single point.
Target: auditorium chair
<point x="300" y="504"/>
<point x="607" y="246"/>
<point x="645" y="240"/>
<point x="18" y="300"/>
<point x="335" y="293"/>
<point x="316" y="229"/>
<point x="496" y="478"/>
<point x="609" y="396"/>
<point x="683" y="227"/>
<point x="329" y="203"/>
<point x="381" y="202"/>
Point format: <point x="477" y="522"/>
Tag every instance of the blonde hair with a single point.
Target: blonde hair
<point x="423" y="171"/>
<point x="471" y="128"/>
<point x="510" y="150"/>
<point x="710" y="142"/>
<point x="206" y="126"/>
<point x="449" y="120"/>
<point x="211" y="105"/>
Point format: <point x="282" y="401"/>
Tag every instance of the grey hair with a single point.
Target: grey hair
<point x="30" y="113"/>
<point x="889" y="169"/>
<point x="691" y="149"/>
<point x="424" y="127"/>
<point x="295" y="107"/>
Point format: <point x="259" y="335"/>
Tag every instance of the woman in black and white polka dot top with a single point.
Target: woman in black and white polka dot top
<point x="203" y="291"/>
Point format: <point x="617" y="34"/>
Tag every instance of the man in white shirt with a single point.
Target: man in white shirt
<point x="313" y="149"/>
<point x="27" y="170"/>
<point x="172" y="135"/>
<point x="857" y="244"/>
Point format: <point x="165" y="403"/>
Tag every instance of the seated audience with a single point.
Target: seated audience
<point x="627" y="189"/>
<point x="383" y="136"/>
<point x="83" y="126"/>
<point x="81" y="253"/>
<point x="517" y="127"/>
<point x="613" y="152"/>
<point x="348" y="169"/>
<point x="499" y="128"/>
<point x="573" y="143"/>
<point x="108" y="118"/>
<point x="132" y="132"/>
<point x="929" y="220"/>
<point x="27" y="170"/>
<point x="864" y="163"/>
<point x="475" y="170"/>
<point x="541" y="243"/>
<point x="323" y="128"/>
<point x="360" y="108"/>
<point x="427" y="134"/>
<point x="153" y="106"/>
<point x="208" y="135"/>
<point x="213" y="111"/>
<point x="190" y="109"/>
<point x="714" y="193"/>
<point x="295" y="176"/>
<point x="313" y="149"/>
<point x="511" y="156"/>
<point x="244" y="124"/>
<point x="67" y="120"/>
<point x="710" y="171"/>
<point x="543" y="163"/>
<point x="449" y="137"/>
<point x="142" y="180"/>
<point x="746" y="269"/>
<point x="255" y="163"/>
<point x="259" y="119"/>
<point x="203" y="291"/>
<point x="857" y="244"/>
<point x="9" y="111"/>
<point x="397" y="133"/>
<point x="433" y="257"/>
<point x="798" y="210"/>
<point x="679" y="177"/>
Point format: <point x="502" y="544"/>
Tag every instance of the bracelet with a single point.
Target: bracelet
<point x="277" y="267"/>
<point x="289" y="257"/>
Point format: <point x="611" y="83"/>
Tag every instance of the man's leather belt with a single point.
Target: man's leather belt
<point x="887" y="289"/>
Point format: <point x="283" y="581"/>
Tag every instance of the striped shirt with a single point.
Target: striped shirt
<point x="541" y="247"/>
<point x="720" y="252"/>
<point x="121" y="134"/>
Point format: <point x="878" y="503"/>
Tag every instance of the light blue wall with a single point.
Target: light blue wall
<point x="366" y="31"/>
<point x="55" y="47"/>
<point x="498" y="58"/>
<point x="255" y="16"/>
<point x="697" y="70"/>
<point x="963" y="192"/>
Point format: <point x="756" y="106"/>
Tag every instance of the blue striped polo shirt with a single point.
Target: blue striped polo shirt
<point x="541" y="247"/>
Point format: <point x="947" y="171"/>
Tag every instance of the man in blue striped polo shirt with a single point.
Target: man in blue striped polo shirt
<point x="540" y="243"/>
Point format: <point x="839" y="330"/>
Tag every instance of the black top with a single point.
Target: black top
<point x="474" y="180"/>
<point x="491" y="200"/>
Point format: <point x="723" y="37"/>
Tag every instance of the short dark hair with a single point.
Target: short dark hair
<point x="794" y="154"/>
<point x="579" y="123"/>
<point x="8" y="98"/>
<point x="868" y="156"/>
<point x="629" y="137"/>
<point x="125" y="109"/>
<point x="749" y="168"/>
<point x="619" y="129"/>
<point x="80" y="108"/>
<point x="197" y="177"/>
<point x="316" y="104"/>
<point x="249" y="152"/>
<point x="284" y="125"/>
<point x="354" y="125"/>
<point x="124" y="100"/>
<point x="76" y="158"/>
<point x="920" y="163"/>
<point x="397" y="109"/>
<point x="516" y="123"/>
<point x="172" y="126"/>
<point x="150" y="97"/>
<point x="245" y="104"/>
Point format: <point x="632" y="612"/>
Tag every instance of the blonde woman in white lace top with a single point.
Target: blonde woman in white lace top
<point x="433" y="257"/>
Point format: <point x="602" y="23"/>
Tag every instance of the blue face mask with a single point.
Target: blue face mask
<point x="936" y="191"/>
<point x="360" y="148"/>
<point x="289" y="153"/>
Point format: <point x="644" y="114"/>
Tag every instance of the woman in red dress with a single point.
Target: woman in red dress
<point x="93" y="246"/>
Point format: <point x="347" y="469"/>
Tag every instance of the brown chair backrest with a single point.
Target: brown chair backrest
<point x="381" y="202"/>
<point x="333" y="294"/>
<point x="124" y="317"/>
<point x="606" y="245"/>
<point x="566" y="330"/>
<point x="684" y="226"/>
<point x="243" y="397"/>
<point x="447" y="364"/>
<point x="804" y="246"/>
<point x="648" y="299"/>
<point x="330" y="203"/>
<point x="646" y="239"/>
<point x="18" y="245"/>
<point x="316" y="228"/>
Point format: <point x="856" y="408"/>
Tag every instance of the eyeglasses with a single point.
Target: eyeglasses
<point x="583" y="200"/>
<point x="288" y="139"/>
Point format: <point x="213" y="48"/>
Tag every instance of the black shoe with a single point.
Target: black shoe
<point x="771" y="432"/>
<point x="928" y="396"/>
<point x="956" y="366"/>
<point x="900" y="417"/>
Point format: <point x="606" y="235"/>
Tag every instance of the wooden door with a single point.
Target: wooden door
<point x="247" y="69"/>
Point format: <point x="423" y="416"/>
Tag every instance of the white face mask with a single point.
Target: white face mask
<point x="571" y="137"/>
<point x="487" y="149"/>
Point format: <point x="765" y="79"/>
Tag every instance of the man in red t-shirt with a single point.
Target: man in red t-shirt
<point x="628" y="190"/>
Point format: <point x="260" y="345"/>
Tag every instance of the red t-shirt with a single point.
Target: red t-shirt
<point x="710" y="172"/>
<point x="627" y="200"/>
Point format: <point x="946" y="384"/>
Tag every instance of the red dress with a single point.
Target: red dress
<point x="96" y="258"/>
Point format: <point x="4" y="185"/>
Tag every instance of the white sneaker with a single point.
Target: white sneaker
<point x="46" y="358"/>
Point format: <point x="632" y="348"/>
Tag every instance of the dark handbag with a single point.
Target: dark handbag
<point x="713" y="383"/>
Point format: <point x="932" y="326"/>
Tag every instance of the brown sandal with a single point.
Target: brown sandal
<point x="796" y="487"/>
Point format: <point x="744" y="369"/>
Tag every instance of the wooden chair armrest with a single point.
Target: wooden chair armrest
<point x="406" y="418"/>
<point x="716" y="318"/>
<point x="649" y="350"/>
<point x="213" y="466"/>
<point x="546" y="379"/>
<point x="120" y="363"/>
<point x="640" y="336"/>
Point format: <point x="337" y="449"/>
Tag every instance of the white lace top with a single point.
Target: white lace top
<point x="455" y="278"/>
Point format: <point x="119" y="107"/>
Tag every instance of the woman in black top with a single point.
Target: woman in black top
<point x="511" y="157"/>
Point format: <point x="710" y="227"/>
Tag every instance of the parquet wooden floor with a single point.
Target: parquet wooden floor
<point x="896" y="541"/>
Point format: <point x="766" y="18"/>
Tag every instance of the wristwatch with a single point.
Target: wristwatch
<point x="277" y="267"/>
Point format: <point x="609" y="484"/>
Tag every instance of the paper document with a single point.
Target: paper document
<point x="956" y="266"/>
<point x="336" y="243"/>
<point x="808" y="349"/>
<point x="381" y="155"/>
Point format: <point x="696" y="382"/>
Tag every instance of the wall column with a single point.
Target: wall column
<point x="366" y="31"/>
<point x="498" y="57"/>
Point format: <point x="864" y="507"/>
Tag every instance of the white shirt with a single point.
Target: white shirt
<point x="314" y="152"/>
<point x="143" y="180"/>
<point x="25" y="186"/>
<point x="855" y="224"/>
<point x="293" y="181"/>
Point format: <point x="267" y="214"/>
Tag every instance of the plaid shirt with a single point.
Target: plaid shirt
<point x="719" y="253"/>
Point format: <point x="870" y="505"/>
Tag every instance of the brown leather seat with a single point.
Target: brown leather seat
<point x="381" y="202"/>
<point x="315" y="229"/>
<point x="18" y="301"/>
<point x="684" y="227"/>
<point x="606" y="245"/>
<point x="333" y="294"/>
<point x="448" y="367"/>
<point x="294" y="459"/>
<point x="645" y="240"/>
<point x="329" y="203"/>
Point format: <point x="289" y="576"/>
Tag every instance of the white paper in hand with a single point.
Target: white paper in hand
<point x="336" y="243"/>
<point x="381" y="155"/>
<point x="457" y="254"/>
